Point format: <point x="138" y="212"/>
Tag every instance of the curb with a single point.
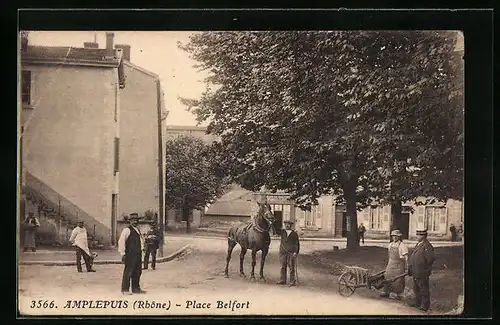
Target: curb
<point x="207" y="234"/>
<point x="102" y="262"/>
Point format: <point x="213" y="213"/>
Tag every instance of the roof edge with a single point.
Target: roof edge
<point x="69" y="62"/>
<point x="141" y="69"/>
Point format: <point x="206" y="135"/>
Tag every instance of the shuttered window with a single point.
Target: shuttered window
<point x="117" y="155"/>
<point x="26" y="87"/>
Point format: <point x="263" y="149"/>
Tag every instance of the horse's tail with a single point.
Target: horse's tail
<point x="231" y="236"/>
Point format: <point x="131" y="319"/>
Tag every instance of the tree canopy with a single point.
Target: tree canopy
<point x="192" y="177"/>
<point x="362" y="115"/>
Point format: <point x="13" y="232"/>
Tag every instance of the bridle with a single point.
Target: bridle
<point x="270" y="221"/>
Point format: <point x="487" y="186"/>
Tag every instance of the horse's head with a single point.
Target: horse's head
<point x="267" y="214"/>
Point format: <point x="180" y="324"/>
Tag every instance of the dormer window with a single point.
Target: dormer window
<point x="26" y="88"/>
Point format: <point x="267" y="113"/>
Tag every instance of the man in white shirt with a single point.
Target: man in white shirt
<point x="78" y="239"/>
<point x="130" y="247"/>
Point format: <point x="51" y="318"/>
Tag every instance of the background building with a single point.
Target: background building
<point x="139" y="147"/>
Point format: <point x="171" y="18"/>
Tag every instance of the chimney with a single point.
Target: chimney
<point x="90" y="45"/>
<point x="109" y="42"/>
<point x="125" y="50"/>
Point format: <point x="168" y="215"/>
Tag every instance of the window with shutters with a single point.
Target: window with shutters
<point x="26" y="88"/>
<point x="117" y="155"/>
<point x="435" y="219"/>
<point x="116" y="103"/>
<point x="376" y="217"/>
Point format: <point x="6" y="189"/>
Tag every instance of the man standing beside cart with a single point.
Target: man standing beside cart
<point x="397" y="265"/>
<point x="419" y="267"/>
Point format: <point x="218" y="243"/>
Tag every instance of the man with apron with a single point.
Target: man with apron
<point x="397" y="265"/>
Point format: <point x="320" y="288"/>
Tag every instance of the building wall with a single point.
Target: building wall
<point x="138" y="144"/>
<point x="436" y="218"/>
<point x="69" y="141"/>
<point x="176" y="224"/>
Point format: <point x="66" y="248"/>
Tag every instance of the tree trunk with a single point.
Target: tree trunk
<point x="185" y="217"/>
<point x="351" y="215"/>
<point x="397" y="214"/>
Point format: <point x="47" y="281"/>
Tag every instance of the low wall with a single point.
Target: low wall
<point x="218" y="221"/>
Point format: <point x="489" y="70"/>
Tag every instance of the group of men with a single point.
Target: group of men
<point x="131" y="244"/>
<point x="418" y="265"/>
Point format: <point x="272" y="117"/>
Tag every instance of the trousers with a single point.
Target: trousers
<point x="86" y="258"/>
<point x="132" y="273"/>
<point x="287" y="260"/>
<point x="150" y="250"/>
<point x="421" y="291"/>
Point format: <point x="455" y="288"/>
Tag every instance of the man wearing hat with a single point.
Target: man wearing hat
<point x="419" y="267"/>
<point x="130" y="247"/>
<point x="397" y="265"/>
<point x="153" y="239"/>
<point x="79" y="239"/>
<point x="31" y="223"/>
<point x="289" y="249"/>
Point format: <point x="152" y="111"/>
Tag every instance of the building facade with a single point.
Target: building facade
<point x="69" y="118"/>
<point x="139" y="145"/>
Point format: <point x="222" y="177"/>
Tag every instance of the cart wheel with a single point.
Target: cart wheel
<point x="347" y="284"/>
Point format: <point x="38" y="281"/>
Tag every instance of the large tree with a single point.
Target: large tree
<point x="361" y="115"/>
<point x="193" y="178"/>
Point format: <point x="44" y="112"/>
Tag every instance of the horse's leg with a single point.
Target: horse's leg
<point x="254" y="261"/>
<point x="230" y="247"/>
<point x="242" y="258"/>
<point x="265" y="250"/>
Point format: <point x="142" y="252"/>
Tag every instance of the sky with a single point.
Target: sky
<point x="155" y="51"/>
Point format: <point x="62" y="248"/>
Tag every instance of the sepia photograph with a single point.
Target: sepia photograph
<point x="229" y="173"/>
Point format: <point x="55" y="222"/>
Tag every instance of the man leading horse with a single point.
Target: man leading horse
<point x="253" y="235"/>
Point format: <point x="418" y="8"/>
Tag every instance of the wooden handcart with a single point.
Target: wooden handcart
<point x="357" y="277"/>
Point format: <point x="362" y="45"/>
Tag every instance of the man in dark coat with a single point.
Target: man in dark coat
<point x="130" y="246"/>
<point x="361" y="233"/>
<point x="153" y="239"/>
<point x="453" y="231"/>
<point x="289" y="249"/>
<point x="419" y="267"/>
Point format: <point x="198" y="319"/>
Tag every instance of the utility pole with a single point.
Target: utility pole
<point x="160" y="167"/>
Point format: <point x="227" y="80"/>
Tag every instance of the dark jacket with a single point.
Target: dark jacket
<point x="421" y="259"/>
<point x="133" y="243"/>
<point x="153" y="238"/>
<point x="289" y="244"/>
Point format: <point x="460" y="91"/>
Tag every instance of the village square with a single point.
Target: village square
<point x="251" y="173"/>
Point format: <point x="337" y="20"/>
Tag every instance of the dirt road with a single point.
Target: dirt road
<point x="193" y="285"/>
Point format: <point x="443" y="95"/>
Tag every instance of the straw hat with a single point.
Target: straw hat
<point x="422" y="232"/>
<point x="396" y="232"/>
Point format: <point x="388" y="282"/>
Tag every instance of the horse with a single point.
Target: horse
<point x="253" y="235"/>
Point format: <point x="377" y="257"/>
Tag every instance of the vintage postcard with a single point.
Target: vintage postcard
<point x="241" y="173"/>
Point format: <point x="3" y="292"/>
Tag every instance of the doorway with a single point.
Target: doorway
<point x="278" y="222"/>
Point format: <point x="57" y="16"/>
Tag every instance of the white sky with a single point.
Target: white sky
<point x="155" y="51"/>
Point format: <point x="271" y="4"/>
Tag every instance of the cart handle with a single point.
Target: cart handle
<point x="396" y="277"/>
